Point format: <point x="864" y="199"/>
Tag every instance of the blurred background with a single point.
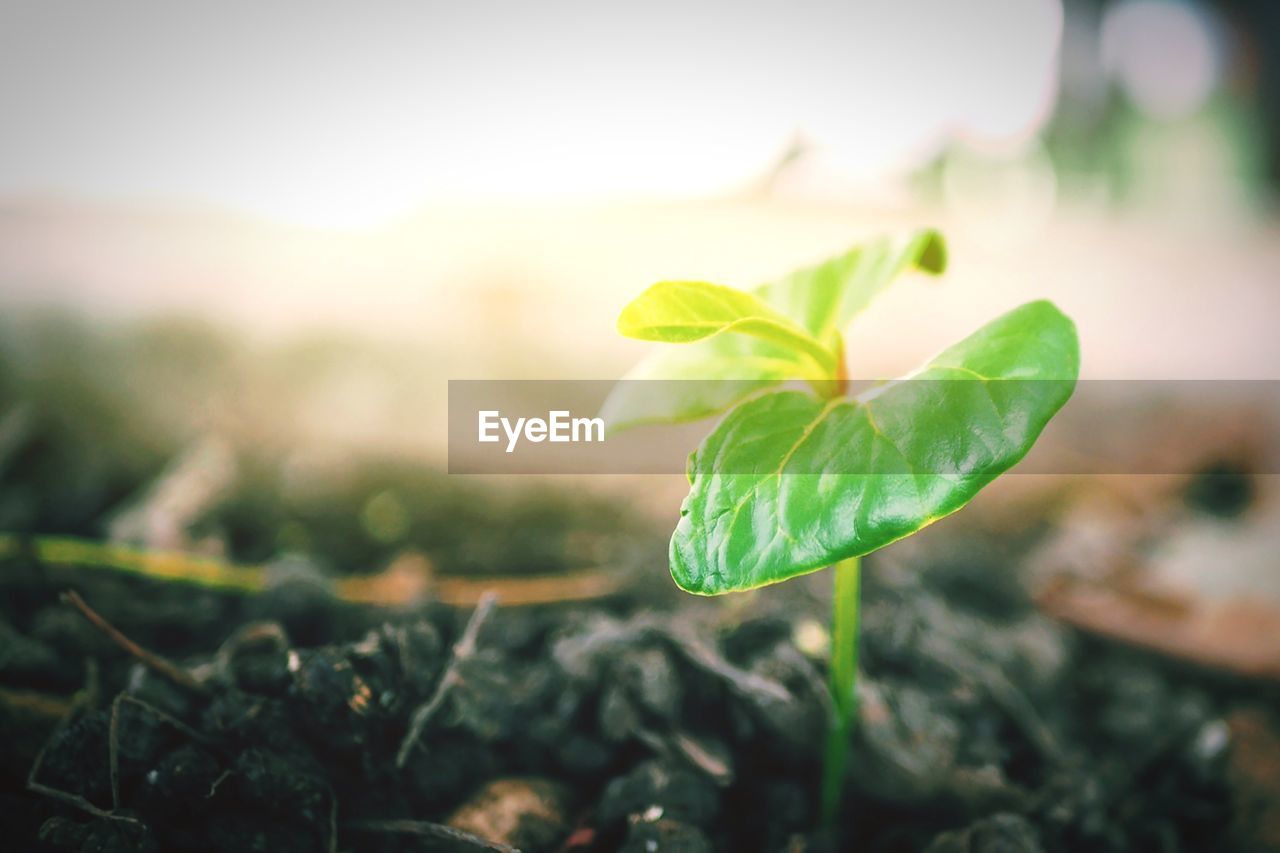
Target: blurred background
<point x="287" y="225"/>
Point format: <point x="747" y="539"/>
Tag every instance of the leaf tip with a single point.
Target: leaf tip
<point x="931" y="252"/>
<point x="687" y="570"/>
<point x="627" y="323"/>
<point x="1050" y="309"/>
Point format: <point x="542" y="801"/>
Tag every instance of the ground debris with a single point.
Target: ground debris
<point x="1254" y="776"/>
<point x="1240" y="636"/>
<point x="528" y="814"/>
<point x="664" y="836"/>
<point x="999" y="833"/>
<point x="424" y="835"/>
<point x="255" y="658"/>
<point x="96" y="836"/>
<point x="147" y="658"/>
<point x="611" y="726"/>
<point x="463" y="651"/>
<point x="193" y="482"/>
<point x="675" y="792"/>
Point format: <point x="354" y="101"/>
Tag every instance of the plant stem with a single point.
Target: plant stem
<point x="844" y="676"/>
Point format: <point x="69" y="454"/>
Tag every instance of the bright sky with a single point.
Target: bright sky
<point x="345" y="113"/>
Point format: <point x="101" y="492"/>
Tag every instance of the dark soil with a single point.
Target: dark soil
<point x="606" y="726"/>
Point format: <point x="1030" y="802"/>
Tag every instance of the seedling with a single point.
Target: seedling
<point x="793" y="481"/>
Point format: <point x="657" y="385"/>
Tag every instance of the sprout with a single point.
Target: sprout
<point x="790" y="482"/>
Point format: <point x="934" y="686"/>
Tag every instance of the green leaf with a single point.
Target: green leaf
<point x="822" y="299"/>
<point x="686" y="311"/>
<point x="826" y="297"/>
<point x="789" y="483"/>
<point x="679" y="384"/>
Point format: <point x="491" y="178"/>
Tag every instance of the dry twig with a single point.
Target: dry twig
<point x="66" y="797"/>
<point x="462" y="650"/>
<point x="151" y="660"/>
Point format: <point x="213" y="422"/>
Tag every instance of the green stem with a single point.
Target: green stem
<point x="844" y="677"/>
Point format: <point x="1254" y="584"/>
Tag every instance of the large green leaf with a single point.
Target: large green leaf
<point x="789" y="483"/>
<point x="822" y="299"/>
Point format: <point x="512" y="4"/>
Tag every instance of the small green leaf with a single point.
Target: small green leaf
<point x="788" y="483"/>
<point x="686" y="311"/>
<point x="679" y="384"/>
<point x="826" y="297"/>
<point x="822" y="299"/>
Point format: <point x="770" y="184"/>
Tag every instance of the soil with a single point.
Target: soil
<point x="291" y="717"/>
<point x="629" y="723"/>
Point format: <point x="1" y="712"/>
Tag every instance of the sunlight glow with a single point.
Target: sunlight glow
<point x="374" y="116"/>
